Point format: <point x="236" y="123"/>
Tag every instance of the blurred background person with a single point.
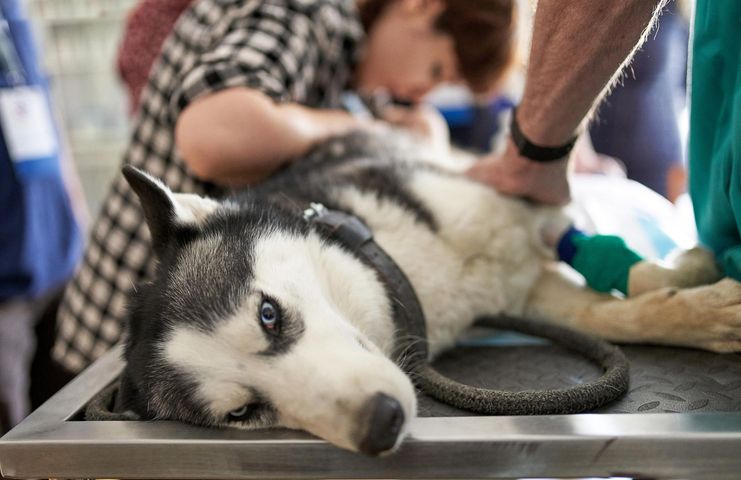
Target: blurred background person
<point x="40" y="241"/>
<point x="147" y="26"/>
<point x="638" y="122"/>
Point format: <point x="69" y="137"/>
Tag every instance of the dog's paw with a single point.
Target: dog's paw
<point x="709" y="316"/>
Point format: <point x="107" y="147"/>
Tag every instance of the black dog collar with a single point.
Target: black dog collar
<point x="408" y="316"/>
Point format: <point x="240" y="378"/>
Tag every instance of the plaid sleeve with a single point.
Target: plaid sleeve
<point x="273" y="49"/>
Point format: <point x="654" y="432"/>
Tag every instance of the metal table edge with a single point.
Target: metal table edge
<point x="49" y="444"/>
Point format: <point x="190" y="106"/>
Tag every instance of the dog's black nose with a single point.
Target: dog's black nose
<point x="386" y="420"/>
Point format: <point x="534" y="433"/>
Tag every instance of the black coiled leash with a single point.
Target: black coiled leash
<point x="411" y="346"/>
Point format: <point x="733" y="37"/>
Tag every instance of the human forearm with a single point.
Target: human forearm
<point x="239" y="136"/>
<point x="577" y="48"/>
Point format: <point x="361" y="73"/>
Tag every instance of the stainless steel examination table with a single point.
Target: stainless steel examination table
<point x="680" y="419"/>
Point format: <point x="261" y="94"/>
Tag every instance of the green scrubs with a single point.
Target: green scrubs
<point x="715" y="129"/>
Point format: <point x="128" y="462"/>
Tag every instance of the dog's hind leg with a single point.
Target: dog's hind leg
<point x="707" y="317"/>
<point x="688" y="268"/>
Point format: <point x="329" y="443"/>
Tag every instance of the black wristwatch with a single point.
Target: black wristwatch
<point x="537" y="153"/>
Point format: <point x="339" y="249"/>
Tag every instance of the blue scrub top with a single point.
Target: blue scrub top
<point x="40" y="242"/>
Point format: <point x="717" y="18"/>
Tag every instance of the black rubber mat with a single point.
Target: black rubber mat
<point x="662" y="379"/>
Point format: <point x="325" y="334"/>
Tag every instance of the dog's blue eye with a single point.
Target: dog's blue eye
<point x="269" y="316"/>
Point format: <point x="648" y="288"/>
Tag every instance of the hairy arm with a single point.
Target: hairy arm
<point x="578" y="48"/>
<point x="238" y="136"/>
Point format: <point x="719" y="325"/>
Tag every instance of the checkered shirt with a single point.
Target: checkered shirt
<point x="292" y="50"/>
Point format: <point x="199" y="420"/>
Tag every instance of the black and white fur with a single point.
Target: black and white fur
<point x="201" y="347"/>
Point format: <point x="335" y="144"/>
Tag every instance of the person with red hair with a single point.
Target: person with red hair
<point x="147" y="27"/>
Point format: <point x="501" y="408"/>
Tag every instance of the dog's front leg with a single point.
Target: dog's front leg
<point x="688" y="268"/>
<point x="707" y="317"/>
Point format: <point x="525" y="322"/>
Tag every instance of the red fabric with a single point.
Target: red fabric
<point x="147" y="27"/>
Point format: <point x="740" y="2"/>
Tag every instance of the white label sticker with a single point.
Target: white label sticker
<point x="27" y="123"/>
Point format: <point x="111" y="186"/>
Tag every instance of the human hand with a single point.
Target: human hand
<point x="512" y="174"/>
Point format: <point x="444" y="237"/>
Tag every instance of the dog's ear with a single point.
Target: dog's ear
<point x="164" y="210"/>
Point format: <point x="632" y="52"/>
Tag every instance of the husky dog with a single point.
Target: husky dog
<point x="255" y="319"/>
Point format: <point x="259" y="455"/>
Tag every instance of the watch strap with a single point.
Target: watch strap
<point x="535" y="152"/>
